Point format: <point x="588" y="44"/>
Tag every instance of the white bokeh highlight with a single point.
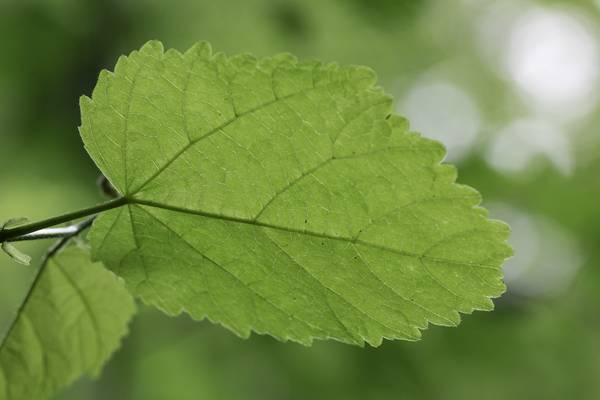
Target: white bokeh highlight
<point x="443" y="111"/>
<point x="554" y="60"/>
<point x="514" y="147"/>
<point x="547" y="257"/>
<point x="551" y="55"/>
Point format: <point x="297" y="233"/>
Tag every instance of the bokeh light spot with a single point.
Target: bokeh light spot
<point x="547" y="257"/>
<point x="553" y="58"/>
<point x="445" y="112"/>
<point x="514" y="148"/>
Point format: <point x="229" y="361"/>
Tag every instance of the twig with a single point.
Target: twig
<point x="51" y="233"/>
<point x="8" y="235"/>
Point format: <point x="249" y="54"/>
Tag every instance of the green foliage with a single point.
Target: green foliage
<point x="283" y="197"/>
<point x="528" y="348"/>
<point x="71" y="321"/>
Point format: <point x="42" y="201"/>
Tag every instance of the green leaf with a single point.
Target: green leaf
<point x="283" y="197"/>
<point x="70" y="322"/>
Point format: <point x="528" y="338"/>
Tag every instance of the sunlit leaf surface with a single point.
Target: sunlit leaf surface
<point x="283" y="197"/>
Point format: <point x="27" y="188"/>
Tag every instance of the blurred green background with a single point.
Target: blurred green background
<point x="511" y="87"/>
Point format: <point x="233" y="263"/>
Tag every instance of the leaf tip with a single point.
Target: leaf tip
<point x="152" y="47"/>
<point x="202" y="50"/>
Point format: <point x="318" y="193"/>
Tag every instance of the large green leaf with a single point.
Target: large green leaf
<point x="283" y="197"/>
<point x="71" y="321"/>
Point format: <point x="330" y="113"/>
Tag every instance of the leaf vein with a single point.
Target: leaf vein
<point x="221" y="127"/>
<point x="242" y="283"/>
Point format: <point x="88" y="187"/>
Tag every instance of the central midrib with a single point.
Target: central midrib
<point x="149" y="203"/>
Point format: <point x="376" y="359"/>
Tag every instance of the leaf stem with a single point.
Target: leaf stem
<point x="20" y="231"/>
<point x="55" y="233"/>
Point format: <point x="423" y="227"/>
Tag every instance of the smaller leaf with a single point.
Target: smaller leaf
<point x="16" y="254"/>
<point x="70" y="322"/>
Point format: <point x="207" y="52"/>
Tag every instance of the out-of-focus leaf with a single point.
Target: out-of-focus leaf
<point x="70" y="322"/>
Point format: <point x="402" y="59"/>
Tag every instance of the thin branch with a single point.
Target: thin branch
<point x="55" y="233"/>
<point x="11" y="234"/>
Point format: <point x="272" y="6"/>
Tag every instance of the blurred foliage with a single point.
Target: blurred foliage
<point x="534" y="348"/>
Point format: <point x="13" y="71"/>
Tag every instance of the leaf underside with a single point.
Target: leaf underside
<point x="72" y="320"/>
<point x="283" y="197"/>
